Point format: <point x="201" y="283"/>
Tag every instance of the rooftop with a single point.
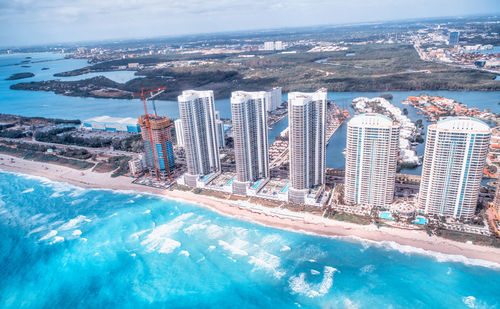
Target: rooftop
<point x="108" y="119"/>
<point x="301" y="98"/>
<point x="188" y="95"/>
<point x="371" y="120"/>
<point x="461" y="124"/>
<point x="243" y="96"/>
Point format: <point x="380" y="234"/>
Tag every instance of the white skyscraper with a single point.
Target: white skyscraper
<point x="371" y="160"/>
<point x="455" y="152"/>
<point x="274" y="99"/>
<point x="269" y="45"/>
<point x="307" y="145"/>
<point x="197" y="113"/>
<point x="221" y="135"/>
<point x="250" y="137"/>
<point x="219" y="128"/>
<point x="179" y="135"/>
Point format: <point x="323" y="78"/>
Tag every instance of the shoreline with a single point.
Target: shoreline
<point x="404" y="241"/>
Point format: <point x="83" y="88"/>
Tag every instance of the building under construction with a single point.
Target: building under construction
<point x="160" y="161"/>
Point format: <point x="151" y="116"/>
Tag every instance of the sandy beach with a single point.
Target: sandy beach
<point x="406" y="241"/>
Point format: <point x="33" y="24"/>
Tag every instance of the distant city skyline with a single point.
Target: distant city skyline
<point x="29" y="22"/>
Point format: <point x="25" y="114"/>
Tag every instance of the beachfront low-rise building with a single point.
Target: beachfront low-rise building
<point x="371" y="159"/>
<point x="455" y="154"/>
<point x="137" y="165"/>
<point x="113" y="124"/>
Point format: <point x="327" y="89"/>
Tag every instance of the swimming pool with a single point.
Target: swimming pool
<point x="420" y="220"/>
<point x="255" y="186"/>
<point x="386" y="215"/>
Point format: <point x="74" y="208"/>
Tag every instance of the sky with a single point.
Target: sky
<point x="35" y="22"/>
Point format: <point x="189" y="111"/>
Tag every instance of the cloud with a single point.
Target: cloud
<point x="35" y="21"/>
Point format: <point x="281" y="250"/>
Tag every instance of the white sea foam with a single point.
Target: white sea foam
<point x="314" y="272"/>
<point x="49" y="235"/>
<point x="327" y="282"/>
<point x="147" y="211"/>
<point x="235" y="248"/>
<point x="200" y="259"/>
<point x="449" y="271"/>
<point x="73" y="223"/>
<point x="57" y="239"/>
<point x="298" y="284"/>
<point x="214" y="231"/>
<point x="272" y="238"/>
<point x="76" y="233"/>
<point x="211" y="248"/>
<point x="184" y="252"/>
<point x="38" y="229"/>
<point x="158" y="240"/>
<point x="285" y="248"/>
<point x="469" y="301"/>
<point x="165" y="245"/>
<point x="267" y="262"/>
<point x="239" y="231"/>
<point x="196" y="227"/>
<point x="55" y="223"/>
<point x="367" y="269"/>
<point x="137" y="234"/>
<point x="349" y="304"/>
<point x="409" y="250"/>
<point x="78" y="201"/>
<point x="28" y="190"/>
<point x="77" y="192"/>
<point x="56" y="194"/>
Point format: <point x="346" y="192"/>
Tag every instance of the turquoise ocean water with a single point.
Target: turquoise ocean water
<point x="66" y="247"/>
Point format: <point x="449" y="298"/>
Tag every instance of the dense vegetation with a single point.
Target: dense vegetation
<point x="132" y="143"/>
<point x="372" y="67"/>
<point x="36" y="152"/>
<point x="20" y="76"/>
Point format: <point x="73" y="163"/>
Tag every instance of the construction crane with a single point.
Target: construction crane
<point x="148" y="95"/>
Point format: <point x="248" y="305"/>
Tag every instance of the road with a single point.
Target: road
<point x="99" y="151"/>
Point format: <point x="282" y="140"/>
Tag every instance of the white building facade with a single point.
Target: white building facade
<point x="197" y="112"/>
<point x="455" y="153"/>
<point x="371" y="160"/>
<point x="274" y="99"/>
<point x="269" y="45"/>
<point x="249" y="116"/>
<point x="307" y="142"/>
<point x="179" y="135"/>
